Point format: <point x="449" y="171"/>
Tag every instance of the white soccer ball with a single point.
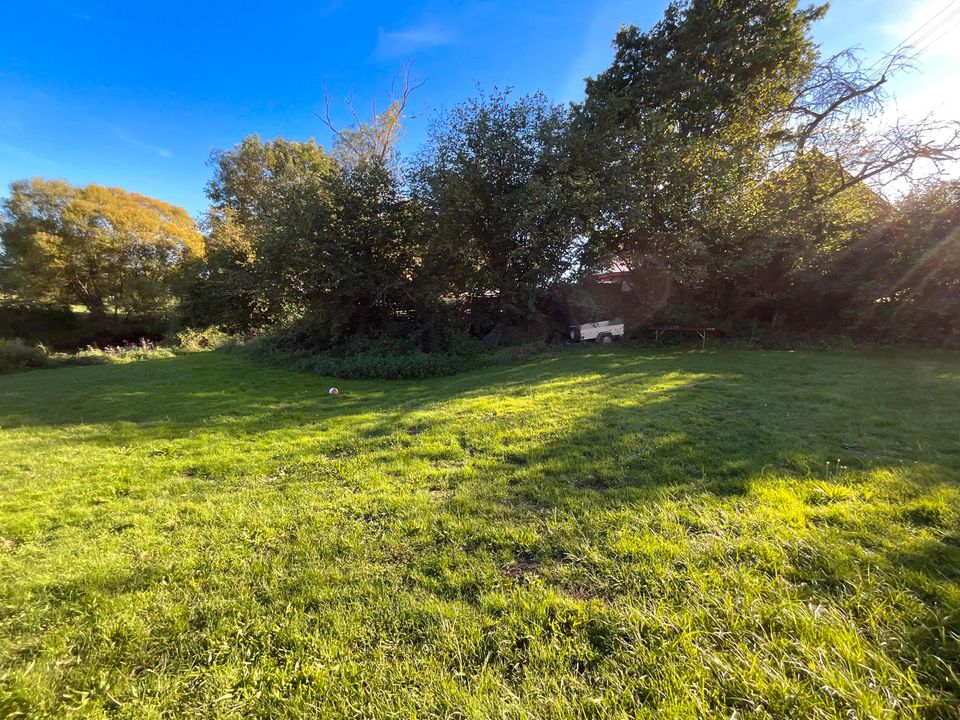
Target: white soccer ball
<point x="334" y="391"/>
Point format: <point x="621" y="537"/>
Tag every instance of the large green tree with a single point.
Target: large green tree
<point x="266" y="200"/>
<point x="294" y="236"/>
<point x="681" y="124"/>
<point x="104" y="248"/>
<point x="728" y="165"/>
<point x="496" y="174"/>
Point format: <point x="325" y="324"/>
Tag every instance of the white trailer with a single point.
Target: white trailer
<point x="602" y="332"/>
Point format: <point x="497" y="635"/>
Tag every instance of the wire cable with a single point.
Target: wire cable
<point x="930" y="29"/>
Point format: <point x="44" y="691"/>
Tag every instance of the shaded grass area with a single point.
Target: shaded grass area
<point x="68" y="329"/>
<point x="601" y="534"/>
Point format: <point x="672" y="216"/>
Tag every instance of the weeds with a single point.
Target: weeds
<point x="16" y="355"/>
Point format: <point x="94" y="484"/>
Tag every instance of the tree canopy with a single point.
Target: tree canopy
<point x="495" y="174"/>
<point x="722" y="164"/>
<point x="725" y="158"/>
<point x="296" y="236"/>
<point x="104" y="248"/>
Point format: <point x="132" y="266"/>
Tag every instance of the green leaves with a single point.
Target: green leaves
<point x="681" y="123"/>
<point x="497" y="174"/>
<point x="295" y="237"/>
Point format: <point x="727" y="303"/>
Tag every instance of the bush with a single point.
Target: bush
<point x="405" y="366"/>
<point x="209" y="338"/>
<point x="449" y="352"/>
<point x="34" y="322"/>
<point x="64" y="330"/>
<point x="16" y="355"/>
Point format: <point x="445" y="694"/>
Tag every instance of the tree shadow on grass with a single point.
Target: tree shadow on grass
<point x="487" y="458"/>
<point x="204" y="390"/>
<point x="586" y="426"/>
<point x="622" y="417"/>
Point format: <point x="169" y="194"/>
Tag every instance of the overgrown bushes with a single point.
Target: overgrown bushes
<point x="209" y="338"/>
<point x="403" y="366"/>
<point x="130" y="352"/>
<point x="35" y="322"/>
<point x="17" y="355"/>
<point x="62" y="329"/>
<point x="447" y="353"/>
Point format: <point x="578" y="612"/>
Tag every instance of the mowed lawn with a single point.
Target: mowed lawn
<point x="622" y="533"/>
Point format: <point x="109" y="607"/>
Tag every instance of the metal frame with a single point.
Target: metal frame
<point x="702" y="334"/>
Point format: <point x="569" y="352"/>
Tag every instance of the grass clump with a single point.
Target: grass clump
<point x="604" y="533"/>
<point x="16" y="355"/>
<point x="128" y="352"/>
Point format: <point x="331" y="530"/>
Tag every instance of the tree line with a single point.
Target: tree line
<point x="727" y="170"/>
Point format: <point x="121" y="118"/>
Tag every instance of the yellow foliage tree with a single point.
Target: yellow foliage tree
<point x="105" y="248"/>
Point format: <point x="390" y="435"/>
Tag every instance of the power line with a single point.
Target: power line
<point x="943" y="34"/>
<point x="924" y="25"/>
<point x="924" y="31"/>
<point x="946" y="21"/>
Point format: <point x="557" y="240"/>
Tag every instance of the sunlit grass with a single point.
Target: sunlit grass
<point x="616" y="533"/>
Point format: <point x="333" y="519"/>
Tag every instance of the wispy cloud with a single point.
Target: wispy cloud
<point x="71" y="9"/>
<point x="596" y="52"/>
<point x="929" y="26"/>
<point x="596" y="49"/>
<point x="24" y="155"/>
<point x="129" y="140"/>
<point x="426" y="34"/>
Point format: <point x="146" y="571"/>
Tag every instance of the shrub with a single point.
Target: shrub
<point x="209" y="338"/>
<point x="63" y="330"/>
<point x="405" y="366"/>
<point x="16" y="355"/>
<point x="389" y="358"/>
<point x="34" y="322"/>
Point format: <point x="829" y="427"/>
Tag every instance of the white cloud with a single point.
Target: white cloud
<point x="932" y="25"/>
<point x="426" y="34"/>
<point x="930" y="87"/>
<point x="24" y="155"/>
<point x="124" y="137"/>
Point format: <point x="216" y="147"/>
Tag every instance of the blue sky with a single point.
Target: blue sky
<point x="136" y="94"/>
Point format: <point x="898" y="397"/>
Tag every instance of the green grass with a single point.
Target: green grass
<point x="613" y="533"/>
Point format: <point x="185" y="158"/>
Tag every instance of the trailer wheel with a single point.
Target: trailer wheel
<point x="606" y="338"/>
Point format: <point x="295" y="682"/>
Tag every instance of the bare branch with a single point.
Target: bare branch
<point x="374" y="139"/>
<point x="840" y="88"/>
<point x="893" y="153"/>
<point x="342" y="136"/>
<point x="836" y="113"/>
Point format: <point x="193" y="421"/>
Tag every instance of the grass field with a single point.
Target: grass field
<point x="620" y="533"/>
